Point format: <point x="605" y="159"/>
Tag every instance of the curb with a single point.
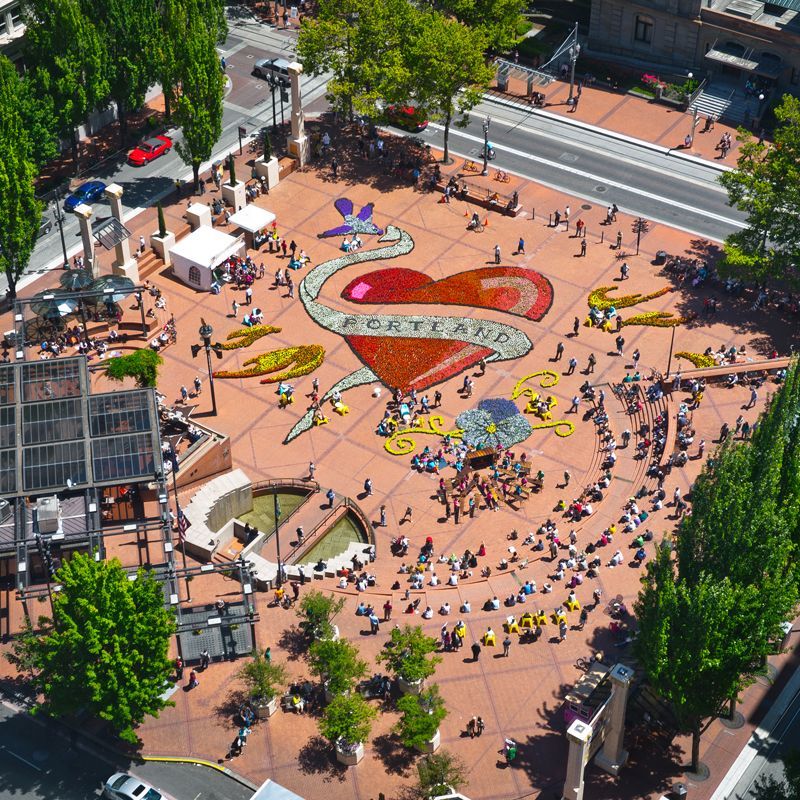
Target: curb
<point x="621" y="137"/>
<point x="759" y="741"/>
<point x="200" y="762"/>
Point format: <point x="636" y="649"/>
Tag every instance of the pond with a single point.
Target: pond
<point x="337" y="540"/>
<point x="263" y="514"/>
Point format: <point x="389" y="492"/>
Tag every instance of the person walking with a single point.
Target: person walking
<point x="576" y="401"/>
<point x="312" y="468"/>
<point x="620" y="342"/>
<point x="235" y="307"/>
<point x="476" y="653"/>
<point x="479" y="726"/>
<point x="753" y="398"/>
<point x="184" y="394"/>
<point x="408" y="516"/>
<point x="335" y="167"/>
<point x="636" y="356"/>
<point x="383" y="517"/>
<point x="472" y="727"/>
<point x="387" y="610"/>
<point x="573" y="364"/>
<point x="198" y="386"/>
<point x="624" y="271"/>
<point x="521" y="246"/>
<point x="497" y="254"/>
<point x="290" y="288"/>
<point x="205" y="660"/>
<point x="506" y="646"/>
<point x="619" y="240"/>
<point x="179" y="668"/>
<point x="562" y="630"/>
<point x="567" y="477"/>
<point x="193" y="682"/>
<point x="583" y="619"/>
<point x="331" y="495"/>
<point x="583" y="248"/>
<point x="368" y="487"/>
<point x="576" y="327"/>
<point x="559" y="351"/>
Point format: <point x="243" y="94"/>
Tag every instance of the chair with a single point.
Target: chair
<point x="573" y="605"/>
<point x="321" y="420"/>
<point x="286" y="400"/>
<point x="541" y="619"/>
<point x="527" y="621"/>
<point x="489" y="639"/>
<point x="512" y="627"/>
<point x="341" y="409"/>
<point x="558" y="618"/>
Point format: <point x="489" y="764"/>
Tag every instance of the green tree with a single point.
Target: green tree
<point x="264" y="679"/>
<point x="67" y="62"/>
<point x="129" y="31"/>
<point x="19" y="209"/>
<point x="347" y="719"/>
<point x="449" y="72"/>
<point x="766" y="185"/>
<point x="408" y="654"/>
<point x="497" y="20"/>
<point x="767" y="788"/>
<point x="37" y="109"/>
<point x="439" y="773"/>
<point x="337" y="663"/>
<point x="421" y="716"/>
<point x="199" y="99"/>
<point x="318" y="611"/>
<point x="142" y="365"/>
<point x="106" y="648"/>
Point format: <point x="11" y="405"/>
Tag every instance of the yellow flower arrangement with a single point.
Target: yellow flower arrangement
<point x="246" y="336"/>
<point x="700" y="360"/>
<point x="305" y="358"/>
<point x="600" y="300"/>
<point x="656" y="319"/>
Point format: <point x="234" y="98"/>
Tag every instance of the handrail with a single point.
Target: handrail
<point x="364" y="520"/>
<point x="292" y="483"/>
<point x="697" y="92"/>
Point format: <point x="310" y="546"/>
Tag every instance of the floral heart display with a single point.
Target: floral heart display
<point x="419" y="363"/>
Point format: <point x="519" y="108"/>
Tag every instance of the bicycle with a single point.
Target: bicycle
<point x="477" y="227"/>
<point x="502" y="176"/>
<point x="471" y="166"/>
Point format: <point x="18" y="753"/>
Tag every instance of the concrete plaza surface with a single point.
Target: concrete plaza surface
<point x="520" y="696"/>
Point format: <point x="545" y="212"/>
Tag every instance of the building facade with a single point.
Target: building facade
<point x="744" y="42"/>
<point x="12" y="29"/>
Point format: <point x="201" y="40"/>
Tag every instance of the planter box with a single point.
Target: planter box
<point x="266" y="710"/>
<point x="432" y="745"/>
<point x="409" y="687"/>
<point x="198" y="214"/>
<point x="269" y="170"/>
<point x="162" y="246"/>
<point x="351" y="755"/>
<point x="234" y="195"/>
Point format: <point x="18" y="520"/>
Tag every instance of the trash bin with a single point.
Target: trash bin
<point x="661" y="258"/>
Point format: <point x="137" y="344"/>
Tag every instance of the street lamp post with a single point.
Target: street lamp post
<point x="58" y="215"/>
<point x="486" y="123"/>
<point x="206" y="332"/>
<point x="273" y="84"/>
<point x="574" y="52"/>
<point x="695" y="113"/>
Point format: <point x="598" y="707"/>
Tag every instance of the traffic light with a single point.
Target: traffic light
<point x="284" y="94"/>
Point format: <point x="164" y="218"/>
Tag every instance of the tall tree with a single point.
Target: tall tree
<point x="19" y="209"/>
<point x="766" y="185"/>
<point x="496" y="19"/>
<point x="200" y="88"/>
<point x="129" y="31"/>
<point x="66" y="57"/>
<point x="449" y="72"/>
<point x="105" y="649"/>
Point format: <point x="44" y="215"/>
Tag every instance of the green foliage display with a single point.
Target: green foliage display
<point x="267" y="145"/>
<point x="347" y="720"/>
<point x="105" y="650"/>
<point x="202" y="85"/>
<point x="317" y="611"/>
<point x="421" y="716"/>
<point x="408" y="654"/>
<point x="263" y="679"/>
<point x="766" y="185"/>
<point x="231" y="170"/>
<point x="19" y="209"/>
<point x="162" y="225"/>
<point x="142" y="365"/>
<point x="337" y="663"/>
<point x="499" y="22"/>
<point x="439" y="773"/>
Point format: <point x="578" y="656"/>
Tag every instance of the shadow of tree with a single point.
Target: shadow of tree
<point x="397" y="760"/>
<point x="227" y="710"/>
<point x="317" y="757"/>
<point x="294" y="642"/>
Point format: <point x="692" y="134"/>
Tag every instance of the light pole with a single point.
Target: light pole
<point x="486" y="123"/>
<point x="695" y="113"/>
<point x="273" y="84"/>
<point x="574" y="52"/>
<point x="58" y="216"/>
<point x="206" y="332"/>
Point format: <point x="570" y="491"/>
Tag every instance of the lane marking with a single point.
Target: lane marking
<point x="18" y="756"/>
<point x="599" y="179"/>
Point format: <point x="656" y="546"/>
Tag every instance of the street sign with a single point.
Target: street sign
<point x="242" y="131"/>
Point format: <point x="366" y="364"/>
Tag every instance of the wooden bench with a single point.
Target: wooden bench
<point x="483" y="202"/>
<point x="722" y="372"/>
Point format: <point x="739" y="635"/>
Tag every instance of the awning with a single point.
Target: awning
<point x="269" y="790"/>
<point x="731" y="60"/>
<point x="252" y="218"/>
<point x="205" y="247"/>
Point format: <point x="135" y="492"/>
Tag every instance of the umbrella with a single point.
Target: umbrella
<point x="114" y="287"/>
<point x="76" y="279"/>
<point x="52" y="306"/>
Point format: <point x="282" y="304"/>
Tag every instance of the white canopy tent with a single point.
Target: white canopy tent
<point x="252" y="218"/>
<point x="196" y="256"/>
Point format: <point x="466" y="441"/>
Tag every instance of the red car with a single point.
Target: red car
<point x="407" y="117"/>
<point x="149" y="150"/>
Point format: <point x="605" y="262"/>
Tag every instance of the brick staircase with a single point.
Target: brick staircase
<point x="150" y="263"/>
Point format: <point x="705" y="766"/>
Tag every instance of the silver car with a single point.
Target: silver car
<point x="278" y="67"/>
<point x="122" y="786"/>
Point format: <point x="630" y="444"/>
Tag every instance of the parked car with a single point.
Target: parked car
<point x="122" y="786"/>
<point x="45" y="226"/>
<point x="149" y="150"/>
<point x="407" y="117"/>
<point x="86" y="193"/>
<point x="266" y="67"/>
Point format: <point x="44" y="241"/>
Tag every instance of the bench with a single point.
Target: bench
<point x="722" y="372"/>
<point x="483" y="202"/>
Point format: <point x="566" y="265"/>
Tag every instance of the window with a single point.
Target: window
<point x="194" y="275"/>
<point x="16" y="21"/>
<point x="3" y="24"/>
<point x="644" y="30"/>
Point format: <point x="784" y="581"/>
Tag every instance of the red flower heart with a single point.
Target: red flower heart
<point x="403" y="362"/>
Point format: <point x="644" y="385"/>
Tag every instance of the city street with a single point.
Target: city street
<point x="36" y="764"/>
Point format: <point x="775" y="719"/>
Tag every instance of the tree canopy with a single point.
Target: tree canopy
<point x="766" y="185"/>
<point x="106" y="648"/>
<point x="497" y="20"/>
<point x="19" y="209"/>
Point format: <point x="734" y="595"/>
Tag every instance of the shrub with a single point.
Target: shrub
<point x="142" y="365"/>
<point x="347" y="720"/>
<point x="264" y="679"/>
<point x="318" y="610"/>
<point x="408" y="654"/>
<point x="422" y="715"/>
<point x="337" y="663"/>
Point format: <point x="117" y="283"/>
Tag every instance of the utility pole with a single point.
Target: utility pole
<point x="486" y="124"/>
<point x="574" y="52"/>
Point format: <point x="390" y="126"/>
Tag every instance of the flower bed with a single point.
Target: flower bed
<point x="600" y="300"/>
<point x="246" y="336"/>
<point x="495" y="422"/>
<point x="700" y="360"/>
<point x="656" y="319"/>
<point x="306" y="358"/>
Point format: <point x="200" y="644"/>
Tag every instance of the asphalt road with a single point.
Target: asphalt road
<point x="37" y="764"/>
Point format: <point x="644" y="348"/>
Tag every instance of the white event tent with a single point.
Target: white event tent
<point x="196" y="256"/>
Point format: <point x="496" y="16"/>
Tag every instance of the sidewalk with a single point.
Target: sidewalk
<point x="632" y="116"/>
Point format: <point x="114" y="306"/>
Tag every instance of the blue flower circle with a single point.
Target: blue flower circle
<point x="495" y="422"/>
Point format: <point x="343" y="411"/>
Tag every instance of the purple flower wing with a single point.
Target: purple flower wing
<point x="343" y="205"/>
<point x="340" y="230"/>
<point x="365" y="215"/>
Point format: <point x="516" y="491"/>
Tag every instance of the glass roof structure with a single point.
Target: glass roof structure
<point x="54" y="435"/>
